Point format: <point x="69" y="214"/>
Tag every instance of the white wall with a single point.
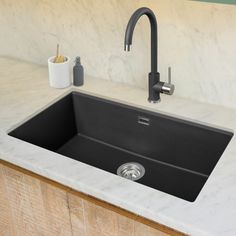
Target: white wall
<point x="198" y="40"/>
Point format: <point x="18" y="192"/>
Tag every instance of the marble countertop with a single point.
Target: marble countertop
<point x="24" y="91"/>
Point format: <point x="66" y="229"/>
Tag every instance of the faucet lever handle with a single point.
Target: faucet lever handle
<point x="168" y="88"/>
<point x="169" y="75"/>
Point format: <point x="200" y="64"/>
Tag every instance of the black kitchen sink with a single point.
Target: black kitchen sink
<point x="177" y="155"/>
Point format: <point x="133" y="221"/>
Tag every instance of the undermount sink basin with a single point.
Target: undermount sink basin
<point x="168" y="154"/>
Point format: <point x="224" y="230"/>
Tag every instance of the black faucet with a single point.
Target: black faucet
<point x="155" y="85"/>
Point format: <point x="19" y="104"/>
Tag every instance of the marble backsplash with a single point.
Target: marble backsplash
<point x="198" y="40"/>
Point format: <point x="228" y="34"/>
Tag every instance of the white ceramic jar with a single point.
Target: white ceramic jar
<point x="59" y="73"/>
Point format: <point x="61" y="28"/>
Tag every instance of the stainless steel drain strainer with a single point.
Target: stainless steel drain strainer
<point x="131" y="170"/>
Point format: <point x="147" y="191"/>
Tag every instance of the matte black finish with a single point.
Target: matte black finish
<point x="154" y="80"/>
<point x="154" y="84"/>
<point x="178" y="155"/>
<point x="130" y="30"/>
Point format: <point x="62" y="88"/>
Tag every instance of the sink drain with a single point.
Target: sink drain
<point x="131" y="170"/>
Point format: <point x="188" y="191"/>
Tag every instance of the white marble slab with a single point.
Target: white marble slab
<point x="24" y="91"/>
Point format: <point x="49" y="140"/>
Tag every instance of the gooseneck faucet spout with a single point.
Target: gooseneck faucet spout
<point x="155" y="86"/>
<point x="130" y="30"/>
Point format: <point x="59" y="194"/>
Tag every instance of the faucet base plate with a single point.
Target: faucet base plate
<point x="156" y="101"/>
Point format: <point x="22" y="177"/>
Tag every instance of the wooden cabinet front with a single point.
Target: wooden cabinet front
<point x="33" y="205"/>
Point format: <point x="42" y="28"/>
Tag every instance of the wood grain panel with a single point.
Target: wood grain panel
<point x="34" y="205"/>
<point x="56" y="209"/>
<point x="95" y="220"/>
<point x="141" y="230"/>
<point x="37" y="208"/>
<point x="6" y="222"/>
<point x="77" y="215"/>
<point x="89" y="219"/>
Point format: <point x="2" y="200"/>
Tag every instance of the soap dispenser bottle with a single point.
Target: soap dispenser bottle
<point x="78" y="73"/>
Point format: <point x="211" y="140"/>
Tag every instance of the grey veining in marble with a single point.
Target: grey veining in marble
<point x="24" y="91"/>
